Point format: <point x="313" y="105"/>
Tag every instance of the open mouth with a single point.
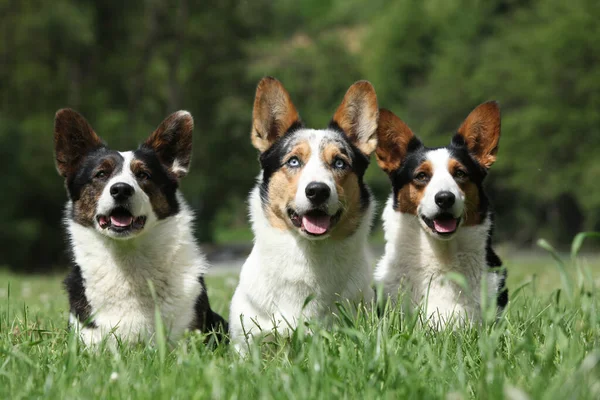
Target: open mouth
<point x="443" y="224"/>
<point x="314" y="222"/>
<point x="121" y="220"/>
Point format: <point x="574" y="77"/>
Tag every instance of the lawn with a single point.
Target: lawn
<point x="547" y="346"/>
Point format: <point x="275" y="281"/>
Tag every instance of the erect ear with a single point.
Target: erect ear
<point x="395" y="140"/>
<point x="481" y="133"/>
<point x="73" y="139"/>
<point x="357" y="116"/>
<point x="172" y="142"/>
<point x="273" y="115"/>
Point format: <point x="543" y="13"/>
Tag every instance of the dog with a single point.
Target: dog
<point x="129" y="229"/>
<point x="439" y="220"/>
<point x="311" y="213"/>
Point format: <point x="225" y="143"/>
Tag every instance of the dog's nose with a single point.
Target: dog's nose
<point x="317" y="192"/>
<point x="445" y="199"/>
<point x="121" y="191"/>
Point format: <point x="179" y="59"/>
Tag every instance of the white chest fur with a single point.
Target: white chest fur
<point x="116" y="275"/>
<point x="417" y="265"/>
<point x="284" y="270"/>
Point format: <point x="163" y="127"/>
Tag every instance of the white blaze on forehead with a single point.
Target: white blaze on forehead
<point x="441" y="181"/>
<point x="315" y="170"/>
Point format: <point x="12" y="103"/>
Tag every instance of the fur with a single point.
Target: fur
<point x="295" y="272"/>
<point x="125" y="243"/>
<point x="427" y="238"/>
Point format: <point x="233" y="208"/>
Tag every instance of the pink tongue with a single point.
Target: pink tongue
<point x="317" y="225"/>
<point x="445" y="225"/>
<point x="121" y="220"/>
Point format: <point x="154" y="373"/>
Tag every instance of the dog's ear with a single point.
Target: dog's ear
<point x="172" y="142"/>
<point x="73" y="139"/>
<point x="273" y="115"/>
<point x="480" y="132"/>
<point x="394" y="141"/>
<point x="357" y="116"/>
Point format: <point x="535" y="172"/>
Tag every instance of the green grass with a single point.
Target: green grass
<point x="547" y="346"/>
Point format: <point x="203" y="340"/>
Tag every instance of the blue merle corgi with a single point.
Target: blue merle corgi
<point x="311" y="214"/>
<point x="439" y="220"/>
<point x="129" y="229"/>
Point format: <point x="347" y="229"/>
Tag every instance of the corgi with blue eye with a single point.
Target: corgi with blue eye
<point x="130" y="233"/>
<point x="439" y="220"/>
<point x="311" y="213"/>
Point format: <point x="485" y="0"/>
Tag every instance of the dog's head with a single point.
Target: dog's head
<point x="122" y="194"/>
<point x="312" y="180"/>
<point x="441" y="186"/>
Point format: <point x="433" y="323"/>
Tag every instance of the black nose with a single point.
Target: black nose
<point x="121" y="191"/>
<point x="445" y="199"/>
<point x="317" y="192"/>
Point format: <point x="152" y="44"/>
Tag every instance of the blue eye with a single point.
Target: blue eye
<point x="293" y="162"/>
<point x="339" y="164"/>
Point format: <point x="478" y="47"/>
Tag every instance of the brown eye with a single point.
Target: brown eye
<point x="101" y="174"/>
<point x="460" y="174"/>
<point x="422" y="177"/>
<point x="142" y="176"/>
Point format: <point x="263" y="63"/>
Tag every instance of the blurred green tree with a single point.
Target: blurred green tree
<point x="126" y="65"/>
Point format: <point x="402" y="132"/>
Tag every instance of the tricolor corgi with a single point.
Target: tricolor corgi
<point x="130" y="229"/>
<point x="311" y="213"/>
<point x="438" y="219"/>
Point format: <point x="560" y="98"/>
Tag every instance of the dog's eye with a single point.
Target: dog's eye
<point x="101" y="174"/>
<point x="142" y="176"/>
<point x="293" y="162"/>
<point x="460" y="174"/>
<point x="339" y="163"/>
<point x="422" y="177"/>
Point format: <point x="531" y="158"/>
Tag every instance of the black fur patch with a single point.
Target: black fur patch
<point x="415" y="156"/>
<point x="494" y="262"/>
<point x="360" y="163"/>
<point x="84" y="190"/>
<point x="206" y="320"/>
<point x="271" y="159"/>
<point x="160" y="181"/>
<point x="79" y="305"/>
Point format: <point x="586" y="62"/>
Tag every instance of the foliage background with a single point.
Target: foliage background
<point x="126" y="65"/>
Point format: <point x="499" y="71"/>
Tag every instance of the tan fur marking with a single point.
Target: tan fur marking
<point x="393" y="137"/>
<point x="411" y="194"/>
<point x="331" y="152"/>
<point x="283" y="186"/>
<point x="157" y="198"/>
<point x="84" y="209"/>
<point x="349" y="196"/>
<point x="471" y="193"/>
<point x="481" y="132"/>
<point x="357" y="115"/>
<point x="273" y="113"/>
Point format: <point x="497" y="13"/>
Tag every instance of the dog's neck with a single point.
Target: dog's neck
<point x="155" y="252"/>
<point x="409" y="245"/>
<point x="279" y="247"/>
